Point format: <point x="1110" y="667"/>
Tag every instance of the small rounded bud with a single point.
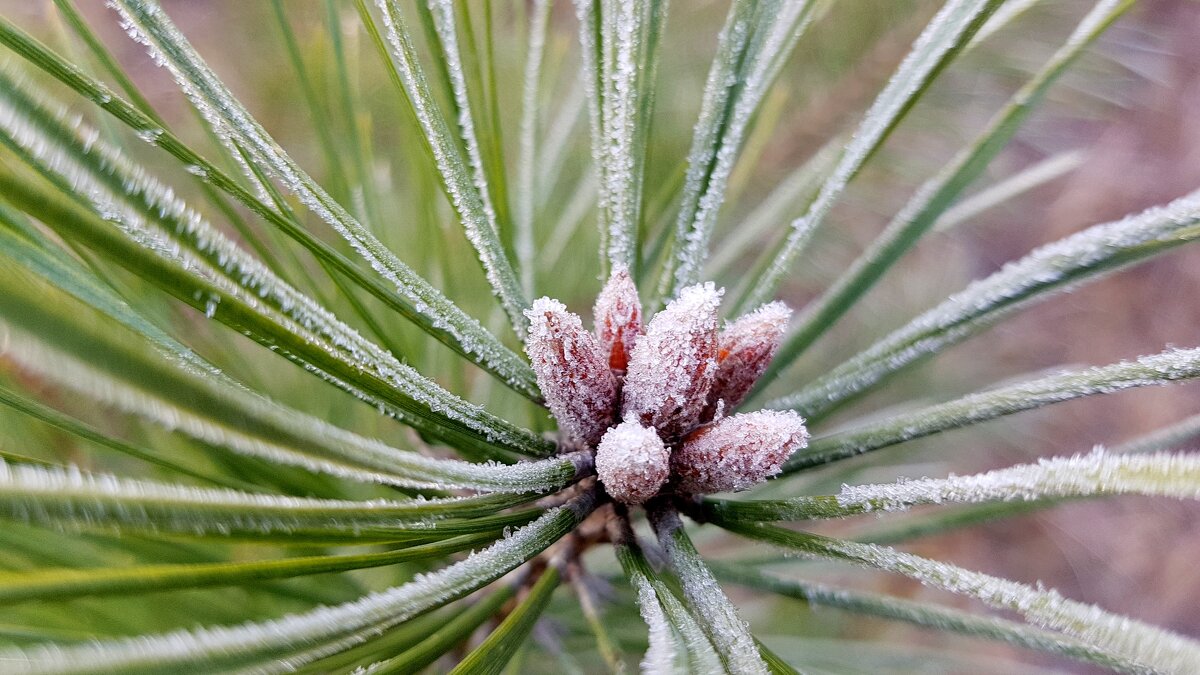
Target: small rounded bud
<point x="573" y="375"/>
<point x="673" y="364"/>
<point x="632" y="462"/>
<point x="618" y="315"/>
<point x="738" y="452"/>
<point x="744" y="349"/>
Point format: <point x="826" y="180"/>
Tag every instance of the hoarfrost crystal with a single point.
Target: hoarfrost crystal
<point x="660" y="654"/>
<point x="632" y="462"/>
<point x="673" y="365"/>
<point x="571" y="371"/>
<point x="674" y="378"/>
<point x="738" y="452"/>
<point x="618" y="314"/>
<point x="1097" y="473"/>
<point x="744" y="350"/>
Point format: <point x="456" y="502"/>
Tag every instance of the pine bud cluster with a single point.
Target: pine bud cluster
<point x="650" y="397"/>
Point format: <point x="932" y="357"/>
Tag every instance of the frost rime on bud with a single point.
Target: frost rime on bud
<point x="571" y="371"/>
<point x="744" y="350"/>
<point x="738" y="452"/>
<point x="632" y="462"/>
<point x="673" y="364"/>
<point x="618" y="315"/>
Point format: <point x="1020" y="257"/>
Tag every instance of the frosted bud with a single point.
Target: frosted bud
<point x="632" y="462"/>
<point x="738" y="452"/>
<point x="673" y="364"/>
<point x="744" y="349"/>
<point x="618" y="314"/>
<point x="571" y="371"/>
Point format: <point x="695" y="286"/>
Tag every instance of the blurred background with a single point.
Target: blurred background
<point x="1117" y="134"/>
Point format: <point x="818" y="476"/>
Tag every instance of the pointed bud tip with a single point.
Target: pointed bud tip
<point x="775" y="314"/>
<point x="762" y="328"/>
<point x="542" y="306"/>
<point x="572" y="373"/>
<point x="673" y="365"/>
<point x="632" y="462"/>
<point x="738" y="452"/>
<point x="619" y="270"/>
<point x="618" y="318"/>
<point x="746" y="348"/>
<point x="704" y="298"/>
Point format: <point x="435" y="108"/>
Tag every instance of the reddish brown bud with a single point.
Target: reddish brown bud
<point x="745" y="348"/>
<point x="571" y="371"/>
<point x="618" y="315"/>
<point x="738" y="452"/>
<point x="672" y="367"/>
<point x="632" y="462"/>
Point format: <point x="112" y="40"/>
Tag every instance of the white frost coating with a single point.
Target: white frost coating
<point x="767" y="54"/>
<point x="469" y="194"/>
<point x="1059" y="266"/>
<point x="930" y="200"/>
<point x="54" y="495"/>
<point x="1097" y="473"/>
<point x="329" y="449"/>
<point x="706" y="143"/>
<point x="744" y="350"/>
<point x="444" y="23"/>
<point x="940" y="36"/>
<point x="618" y="318"/>
<point x="1146" y="645"/>
<point x="147" y="24"/>
<point x="1156" y="369"/>
<point x="632" y="462"/>
<point x="572" y="373"/>
<point x="936" y="617"/>
<point x="702" y="657"/>
<point x="660" y="654"/>
<point x="621" y="43"/>
<point x="716" y="614"/>
<point x="370" y="668"/>
<point x="123" y="194"/>
<point x="340" y="626"/>
<point x="674" y="363"/>
<point x="738" y="452"/>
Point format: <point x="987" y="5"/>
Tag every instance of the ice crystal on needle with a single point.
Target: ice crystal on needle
<point x="1160" y="474"/>
<point x="672" y="376"/>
